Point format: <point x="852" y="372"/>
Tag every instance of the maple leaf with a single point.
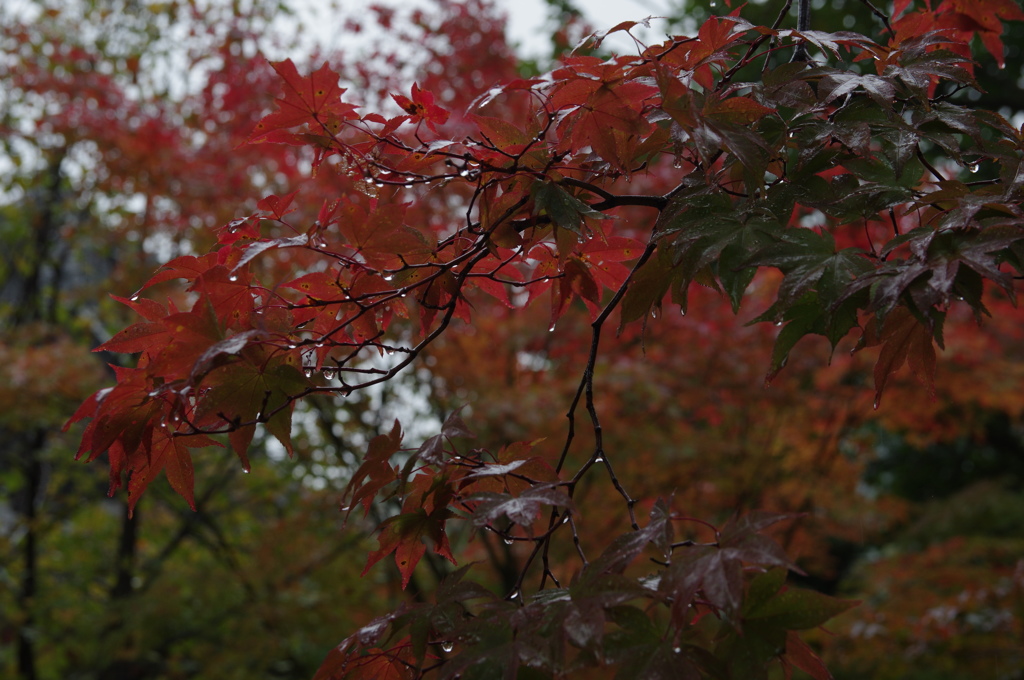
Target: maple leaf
<point x="119" y="413"/>
<point x="254" y="387"/>
<point x="403" y="535"/>
<point x="800" y="654"/>
<point x="904" y="339"/>
<point x="375" y="471"/>
<point x="521" y="509"/>
<point x="169" y="453"/>
<point x="377" y="231"/>
<point x="422" y="107"/>
<point x="626" y="548"/>
<point x="278" y="206"/>
<point x="344" y="663"/>
<point x="313" y="99"/>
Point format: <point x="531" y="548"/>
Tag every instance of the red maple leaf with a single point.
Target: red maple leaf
<point x="314" y="99"/>
<point x="422" y="107"/>
<point x="404" y="536"/>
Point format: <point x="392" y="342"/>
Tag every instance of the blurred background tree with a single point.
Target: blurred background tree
<point x="112" y="161"/>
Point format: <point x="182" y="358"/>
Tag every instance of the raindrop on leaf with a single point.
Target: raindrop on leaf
<point x="329" y="373"/>
<point x="308" y="371"/>
<point x="447" y="646"/>
<point x="508" y="540"/>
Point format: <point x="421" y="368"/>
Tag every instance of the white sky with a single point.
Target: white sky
<point x="527" y="16"/>
<point x="527" y="27"/>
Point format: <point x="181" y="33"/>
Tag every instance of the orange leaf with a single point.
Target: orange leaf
<point x="904" y="339"/>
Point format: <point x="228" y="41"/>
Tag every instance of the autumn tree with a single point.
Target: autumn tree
<point x="109" y="164"/>
<point x="837" y="182"/>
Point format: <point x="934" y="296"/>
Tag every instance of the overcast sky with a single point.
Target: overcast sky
<point x="527" y="27"/>
<point x="527" y="16"/>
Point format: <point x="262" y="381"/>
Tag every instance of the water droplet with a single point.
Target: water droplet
<point x="599" y="459"/>
<point x="677" y="649"/>
<point x="682" y="312"/>
<point x="508" y="540"/>
<point x="654" y="312"/>
<point x="135" y="297"/>
<point x="390" y="352"/>
<point x="246" y="470"/>
<point x="514" y="595"/>
<point x="329" y="373"/>
<point x="551" y="329"/>
<point x="447" y="646"/>
<point x="233" y="277"/>
<point x="972" y="167"/>
<point x="308" y="371"/>
<point x="778" y="323"/>
<point x="713" y="4"/>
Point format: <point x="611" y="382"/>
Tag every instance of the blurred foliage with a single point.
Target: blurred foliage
<point x="926" y="528"/>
